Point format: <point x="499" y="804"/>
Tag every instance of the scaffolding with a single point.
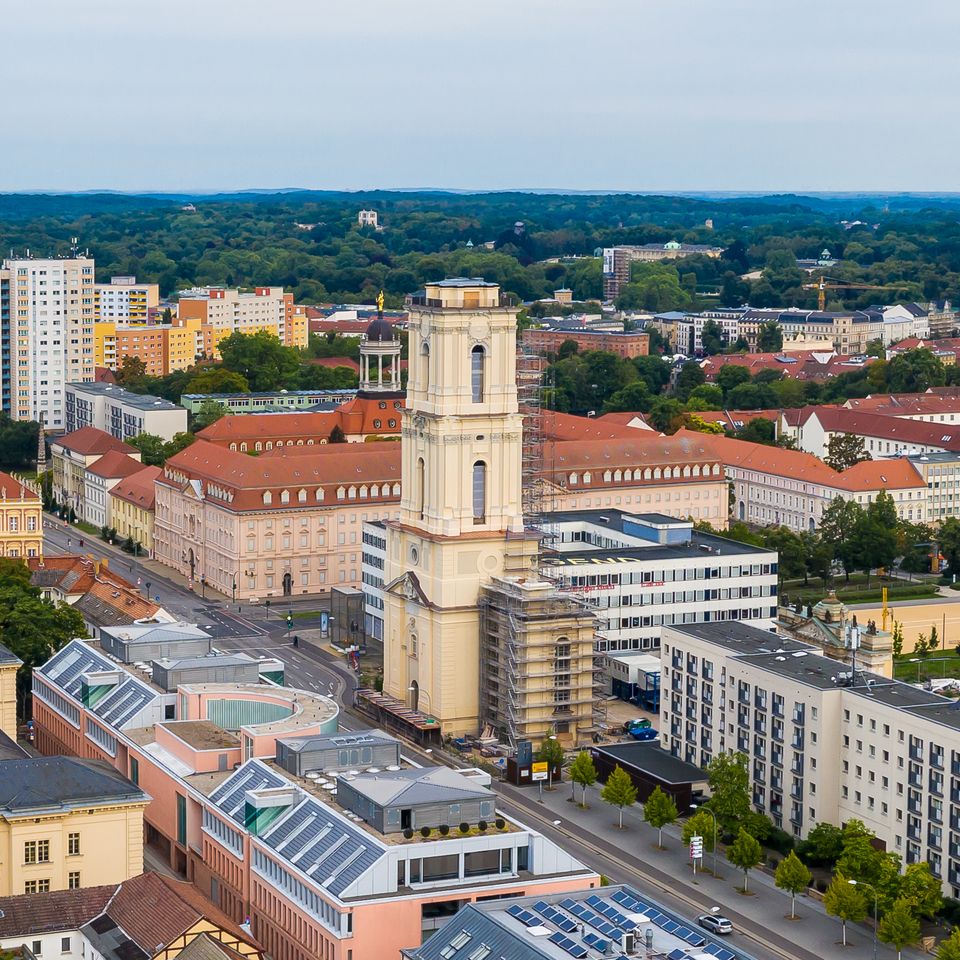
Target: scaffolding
<point x="530" y="372"/>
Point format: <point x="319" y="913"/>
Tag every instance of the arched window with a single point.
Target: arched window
<point x="647" y="473"/>
<point x="607" y="476"/>
<point x="425" y="364"/>
<point x="396" y="490"/>
<point x="352" y="493"/>
<point x="233" y="446"/>
<point x="319" y="494"/>
<point x="363" y="491"/>
<point x="243" y="448"/>
<point x="419" y="491"/>
<point x="341" y="493"/>
<point x="573" y="479"/>
<point x="267" y="497"/>
<point x="284" y="496"/>
<point x="479" y="492"/>
<point x="302" y="496"/>
<point x="587" y="477"/>
<point x="478" y="358"/>
<point x="269" y="444"/>
<point x="258" y="446"/>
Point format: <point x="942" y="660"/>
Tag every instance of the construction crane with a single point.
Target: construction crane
<point x="828" y="283"/>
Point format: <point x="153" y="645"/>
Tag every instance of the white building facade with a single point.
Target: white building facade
<point x="51" y="335"/>
<point x="120" y="413"/>
<point x="824" y="744"/>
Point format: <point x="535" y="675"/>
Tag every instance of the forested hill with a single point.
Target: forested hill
<point x="309" y="241"/>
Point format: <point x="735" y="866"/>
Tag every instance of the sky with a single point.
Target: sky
<point x="644" y="95"/>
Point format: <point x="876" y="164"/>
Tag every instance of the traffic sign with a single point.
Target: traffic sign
<point x="696" y="848"/>
<point x="540" y="770"/>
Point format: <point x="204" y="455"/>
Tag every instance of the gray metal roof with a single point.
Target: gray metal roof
<point x="230" y="796"/>
<point x="67" y="667"/>
<point x="62" y="783"/>
<point x="156" y="632"/>
<point x="325" y="846"/>
<point x="414" y="786"/>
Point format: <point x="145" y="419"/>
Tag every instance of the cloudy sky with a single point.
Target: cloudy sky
<point x="580" y="94"/>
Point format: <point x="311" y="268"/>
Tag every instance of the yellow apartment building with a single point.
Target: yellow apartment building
<point x="21" y="525"/>
<point x="132" y="503"/>
<point x="67" y="823"/>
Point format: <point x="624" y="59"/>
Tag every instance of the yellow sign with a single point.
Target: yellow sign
<point x="540" y="770"/>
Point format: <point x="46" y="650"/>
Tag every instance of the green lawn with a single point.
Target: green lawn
<point x="938" y="663"/>
<point x="860" y="593"/>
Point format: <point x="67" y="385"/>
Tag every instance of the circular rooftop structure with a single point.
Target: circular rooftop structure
<point x="380" y="331"/>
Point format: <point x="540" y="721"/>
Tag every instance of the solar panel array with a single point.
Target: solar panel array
<point x="122" y="704"/>
<point x="527" y="918"/>
<point x="596" y="941"/>
<point x="231" y="794"/>
<point x="571" y="946"/>
<point x="664" y="922"/>
<point x="330" y="850"/>
<point x="715" y="950"/>
<point x="555" y="916"/>
<point x="581" y="912"/>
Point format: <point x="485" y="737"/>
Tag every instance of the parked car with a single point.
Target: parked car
<point x="715" y="923"/>
<point x="641" y="730"/>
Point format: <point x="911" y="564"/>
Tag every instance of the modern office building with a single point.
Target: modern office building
<point x="339" y="863"/>
<point x="825" y="741"/>
<point x="123" y="300"/>
<point x="47" y="335"/>
<point x="273" y="402"/>
<point x="642" y="572"/>
<point x="121" y="413"/>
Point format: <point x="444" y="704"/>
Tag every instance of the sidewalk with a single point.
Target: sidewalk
<point x="766" y="905"/>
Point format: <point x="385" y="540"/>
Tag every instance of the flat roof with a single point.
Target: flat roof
<point x="651" y="758"/>
<point x="741" y="637"/>
<point x="143" y="401"/>
<point x="201" y="734"/>
<point x="692" y="549"/>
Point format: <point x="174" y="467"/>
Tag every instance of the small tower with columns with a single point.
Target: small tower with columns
<point x="380" y="354"/>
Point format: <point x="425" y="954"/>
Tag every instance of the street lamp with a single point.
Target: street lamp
<point x="873" y="890"/>
<point x="917" y="661"/>
<point x="694" y="806"/>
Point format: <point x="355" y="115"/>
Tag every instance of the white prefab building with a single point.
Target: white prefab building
<point x="50" y="335"/>
<point x="121" y="413"/>
<point x="642" y="572"/>
<point x="824" y="743"/>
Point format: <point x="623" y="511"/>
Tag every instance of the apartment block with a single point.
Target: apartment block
<point x="617" y="260"/>
<point x="223" y="311"/>
<point x="120" y="413"/>
<point x="825" y="741"/>
<point x="47" y="337"/>
<point x="622" y="343"/>
<point x="123" y="300"/>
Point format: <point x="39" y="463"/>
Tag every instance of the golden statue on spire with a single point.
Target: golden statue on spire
<point x="380" y="303"/>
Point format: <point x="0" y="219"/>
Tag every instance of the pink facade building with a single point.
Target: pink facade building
<point x="278" y="819"/>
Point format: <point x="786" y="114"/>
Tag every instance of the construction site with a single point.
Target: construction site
<point x="540" y="674"/>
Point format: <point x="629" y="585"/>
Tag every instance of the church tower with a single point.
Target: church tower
<point x="460" y="513"/>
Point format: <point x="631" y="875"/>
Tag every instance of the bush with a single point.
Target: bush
<point x="424" y="831"/>
<point x="500" y="823"/>
<point x="482" y="826"/>
<point x="950" y="911"/>
<point x="464" y="827"/>
<point x="779" y="840"/>
<point x="444" y="829"/>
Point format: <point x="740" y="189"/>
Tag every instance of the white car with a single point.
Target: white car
<point x="715" y="923"/>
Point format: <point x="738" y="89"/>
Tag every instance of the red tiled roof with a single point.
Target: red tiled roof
<point x="797" y="465"/>
<point x="114" y="464"/>
<point x="334" y="362"/>
<point x="356" y="417"/>
<point x="566" y="426"/>
<point x="246" y="478"/>
<point x="906" y="404"/>
<point x="90" y="441"/>
<point x="139" y="488"/>
<point x="637" y="449"/>
<point x="52" y="912"/>
<point x="12" y="489"/>
<point x="125" y="600"/>
<point x="154" y="909"/>
<point x="72" y="573"/>
<point x="944" y="436"/>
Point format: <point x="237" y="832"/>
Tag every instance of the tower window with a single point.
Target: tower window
<point x="425" y="360"/>
<point x="479" y="492"/>
<point x="477" y="358"/>
<point x="419" y="487"/>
